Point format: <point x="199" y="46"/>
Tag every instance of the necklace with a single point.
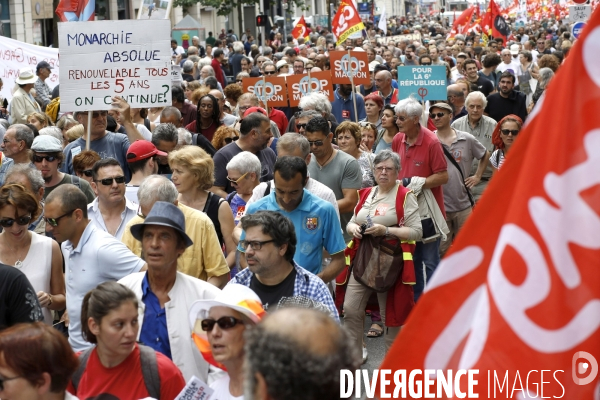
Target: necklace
<point x="206" y="127"/>
<point x="19" y="263"/>
<point x="326" y="161"/>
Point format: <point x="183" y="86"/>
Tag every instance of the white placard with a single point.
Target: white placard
<point x="15" y="55"/>
<point x="102" y="59"/>
<point x="176" y="74"/>
<point x="195" y="389"/>
<point x="579" y="13"/>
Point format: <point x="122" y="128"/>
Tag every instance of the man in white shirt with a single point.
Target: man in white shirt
<point x="509" y="63"/>
<point x="111" y="210"/>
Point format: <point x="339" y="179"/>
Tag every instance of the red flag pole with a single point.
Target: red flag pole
<point x="352" y="93"/>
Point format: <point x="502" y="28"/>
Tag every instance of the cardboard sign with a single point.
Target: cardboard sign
<point x="176" y="74"/>
<point x="103" y="59"/>
<point x="15" y="55"/>
<point x="346" y="64"/>
<point x="300" y="86"/>
<point x="426" y="82"/>
<point x="271" y="91"/>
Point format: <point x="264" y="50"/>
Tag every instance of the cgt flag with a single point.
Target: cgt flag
<point x="493" y="22"/>
<point x="519" y="292"/>
<point x="346" y="21"/>
<point x="300" y="30"/>
<point x="76" y="10"/>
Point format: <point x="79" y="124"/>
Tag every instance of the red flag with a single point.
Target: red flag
<point x="519" y="291"/>
<point x="493" y="23"/>
<point x="76" y="10"/>
<point x="300" y="30"/>
<point x="346" y="21"/>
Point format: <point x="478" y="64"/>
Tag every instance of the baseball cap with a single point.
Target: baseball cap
<point x="142" y="149"/>
<point x="43" y="64"/>
<point x="255" y="109"/>
<point x="514" y="49"/>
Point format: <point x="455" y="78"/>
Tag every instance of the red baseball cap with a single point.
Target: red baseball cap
<point x="141" y="150"/>
<point x="255" y="109"/>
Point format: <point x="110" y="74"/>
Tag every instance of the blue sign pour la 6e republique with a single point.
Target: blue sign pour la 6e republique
<point x="424" y="82"/>
<point x="577" y="29"/>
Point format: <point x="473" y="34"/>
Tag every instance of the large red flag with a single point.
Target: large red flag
<point x="463" y="20"/>
<point x="518" y="295"/>
<point x="346" y="21"/>
<point x="493" y="22"/>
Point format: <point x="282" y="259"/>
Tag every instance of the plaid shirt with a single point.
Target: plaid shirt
<point x="307" y="285"/>
<point x="43" y="94"/>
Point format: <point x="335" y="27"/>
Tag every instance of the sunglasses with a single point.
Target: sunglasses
<point x="39" y="159"/>
<point x="301" y="126"/>
<point x="239" y="81"/>
<point x="317" y="143"/>
<point x="54" y="221"/>
<point x="223" y="322"/>
<point x="109" y="181"/>
<point x="506" y="132"/>
<point x="237" y="181"/>
<point x="2" y="380"/>
<point x="230" y="139"/>
<point x="97" y="114"/>
<point x="426" y="63"/>
<point x="87" y="172"/>
<point x="436" y="115"/>
<point x="8" y="222"/>
<point x="270" y="72"/>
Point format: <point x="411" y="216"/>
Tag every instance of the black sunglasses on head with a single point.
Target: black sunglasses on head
<point x="223" y="322"/>
<point x="8" y="222"/>
<point x="109" y="181"/>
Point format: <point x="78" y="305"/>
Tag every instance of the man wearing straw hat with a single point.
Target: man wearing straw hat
<point x="163" y="291"/>
<point x="23" y="103"/>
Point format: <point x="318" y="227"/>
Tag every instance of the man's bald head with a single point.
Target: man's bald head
<point x="284" y="360"/>
<point x="171" y="115"/>
<point x="455" y="90"/>
<point x="383" y="80"/>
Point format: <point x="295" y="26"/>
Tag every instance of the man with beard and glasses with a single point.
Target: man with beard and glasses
<point x="47" y="156"/>
<point x="111" y="210"/>
<point x="343" y="105"/>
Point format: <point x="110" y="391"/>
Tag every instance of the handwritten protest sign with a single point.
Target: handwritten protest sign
<point x="300" y="86"/>
<point x="423" y="82"/>
<point x="15" y="55"/>
<point x="271" y="90"/>
<point x="102" y="59"/>
<point x="347" y="64"/>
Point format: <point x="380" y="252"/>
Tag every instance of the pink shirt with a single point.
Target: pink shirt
<point x="424" y="158"/>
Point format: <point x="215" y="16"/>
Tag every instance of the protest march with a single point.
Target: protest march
<point x="314" y="211"/>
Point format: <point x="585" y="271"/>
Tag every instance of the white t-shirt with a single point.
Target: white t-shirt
<point x="221" y="388"/>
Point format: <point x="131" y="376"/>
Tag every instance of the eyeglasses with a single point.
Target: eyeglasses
<point x="208" y="324"/>
<point x="88" y="172"/>
<point x="425" y="63"/>
<point x="39" y="159"/>
<point x="436" y="115"/>
<point x="97" y="114"/>
<point x="254" y="244"/>
<point x="237" y="181"/>
<point x="8" y="222"/>
<point x="506" y="132"/>
<point x="2" y="380"/>
<point x="301" y="126"/>
<point x="401" y="119"/>
<point x="381" y="169"/>
<point x="270" y="72"/>
<point x="54" y="221"/>
<point x="109" y="181"/>
<point x="230" y="139"/>
<point x="317" y="143"/>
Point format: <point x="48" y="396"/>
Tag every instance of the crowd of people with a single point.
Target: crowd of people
<point x="159" y="247"/>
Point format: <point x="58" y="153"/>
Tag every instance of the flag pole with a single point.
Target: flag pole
<point x="265" y="96"/>
<point x="89" y="131"/>
<point x="309" y="83"/>
<point x="352" y="91"/>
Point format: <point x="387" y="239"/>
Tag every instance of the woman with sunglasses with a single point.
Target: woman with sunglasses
<point x="373" y="107"/>
<point x="503" y="137"/>
<point x="37" y="256"/>
<point x="223" y="136"/>
<point x="218" y="328"/>
<point x="36" y="363"/>
<point x="113" y="368"/>
<point x="388" y="130"/>
<point x="83" y="164"/>
<point x="193" y="174"/>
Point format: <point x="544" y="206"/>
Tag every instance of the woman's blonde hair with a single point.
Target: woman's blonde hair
<point x="74" y="133"/>
<point x="42" y="118"/>
<point x="198" y="162"/>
